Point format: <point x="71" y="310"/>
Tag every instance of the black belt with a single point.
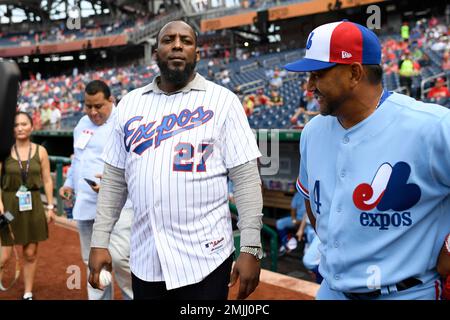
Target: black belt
<point x="401" y="286"/>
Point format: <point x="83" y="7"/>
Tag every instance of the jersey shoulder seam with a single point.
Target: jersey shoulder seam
<point x="422" y="111"/>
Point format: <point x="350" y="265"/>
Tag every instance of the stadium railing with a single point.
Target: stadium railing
<point x="249" y="67"/>
<point x="403" y="90"/>
<point x="294" y="55"/>
<point x="59" y="163"/>
<point x="214" y="13"/>
<point x="252" y="86"/>
<point x="151" y="29"/>
<point x="271" y="62"/>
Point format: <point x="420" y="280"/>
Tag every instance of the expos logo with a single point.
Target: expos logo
<point x="389" y="190"/>
<point x="142" y="136"/>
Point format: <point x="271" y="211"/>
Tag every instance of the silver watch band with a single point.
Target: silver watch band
<point x="254" y="251"/>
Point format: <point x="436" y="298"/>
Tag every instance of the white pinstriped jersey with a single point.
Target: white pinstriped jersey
<point x="176" y="150"/>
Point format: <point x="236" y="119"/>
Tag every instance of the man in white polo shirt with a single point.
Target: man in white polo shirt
<point x="90" y="135"/>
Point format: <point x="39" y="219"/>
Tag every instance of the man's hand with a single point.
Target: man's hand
<point x="299" y="234"/>
<point x="96" y="188"/>
<point x="66" y="193"/>
<point x="99" y="258"/>
<point x="50" y="215"/>
<point x="247" y="269"/>
<point x="2" y="208"/>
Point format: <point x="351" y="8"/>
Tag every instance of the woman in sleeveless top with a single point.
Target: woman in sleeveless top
<point x="23" y="174"/>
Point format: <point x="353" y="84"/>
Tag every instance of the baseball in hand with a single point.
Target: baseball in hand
<point x="105" y="278"/>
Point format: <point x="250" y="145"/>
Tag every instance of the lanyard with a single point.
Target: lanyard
<point x="23" y="173"/>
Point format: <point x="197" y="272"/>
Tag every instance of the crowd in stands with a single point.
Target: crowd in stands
<point x="64" y="94"/>
<point x="271" y="97"/>
<point x="120" y="23"/>
<point x="439" y="91"/>
<point x="254" y="102"/>
<point x="409" y="57"/>
<point x="59" y="32"/>
<point x="425" y="45"/>
<point x="204" y="5"/>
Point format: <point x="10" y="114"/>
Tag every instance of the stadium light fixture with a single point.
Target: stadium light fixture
<point x="391" y="8"/>
<point x="55" y="58"/>
<point x="66" y="58"/>
<point x="245" y="44"/>
<point x="35" y="60"/>
<point x="82" y="57"/>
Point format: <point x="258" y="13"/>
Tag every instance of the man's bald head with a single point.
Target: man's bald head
<point x="168" y="24"/>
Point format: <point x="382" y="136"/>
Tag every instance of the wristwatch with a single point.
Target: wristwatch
<point x="50" y="207"/>
<point x="254" y="251"/>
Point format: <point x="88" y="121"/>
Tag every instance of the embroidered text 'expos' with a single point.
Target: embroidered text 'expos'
<point x="143" y="135"/>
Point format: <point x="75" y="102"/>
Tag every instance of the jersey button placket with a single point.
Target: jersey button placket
<point x="342" y="175"/>
<point x="345" y="140"/>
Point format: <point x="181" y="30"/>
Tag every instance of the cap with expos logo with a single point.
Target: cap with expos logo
<point x="338" y="43"/>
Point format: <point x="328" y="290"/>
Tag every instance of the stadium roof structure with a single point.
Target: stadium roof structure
<point x="44" y="8"/>
<point x="29" y="6"/>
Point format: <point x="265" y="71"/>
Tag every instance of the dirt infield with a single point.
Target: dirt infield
<point x="60" y="255"/>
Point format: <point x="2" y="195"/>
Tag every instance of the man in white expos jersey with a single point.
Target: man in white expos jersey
<point x="175" y="142"/>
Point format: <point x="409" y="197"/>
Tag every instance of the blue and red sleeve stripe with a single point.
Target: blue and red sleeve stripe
<point x="302" y="189"/>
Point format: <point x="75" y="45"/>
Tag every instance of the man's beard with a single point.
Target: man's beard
<point x="331" y="106"/>
<point x="176" y="77"/>
<point x="329" y="110"/>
